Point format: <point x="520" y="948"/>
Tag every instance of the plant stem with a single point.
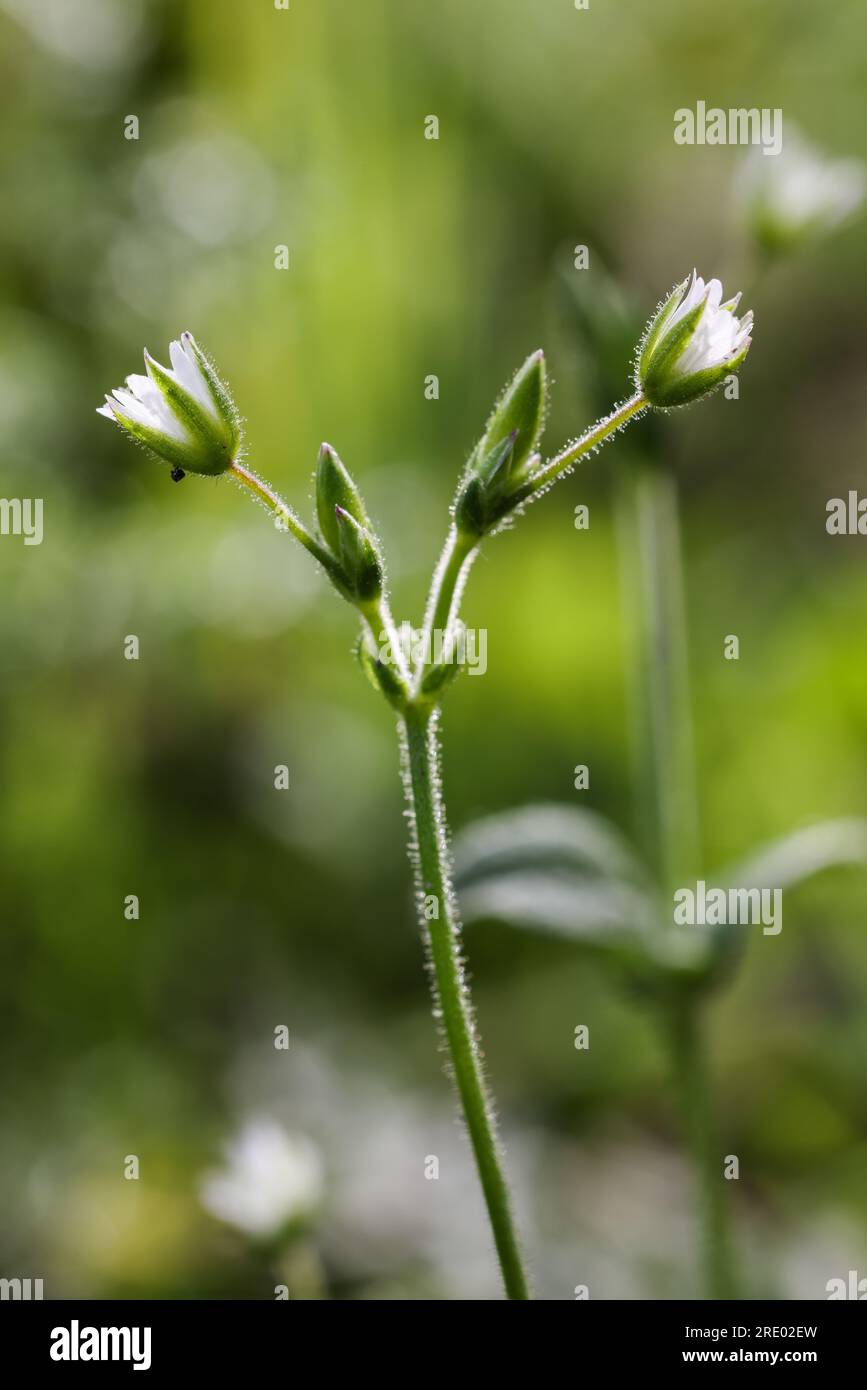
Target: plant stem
<point x="591" y="439"/>
<point x="452" y="1005"/>
<point x="691" y="1072"/>
<point x="448" y="582"/>
<point x="653" y="580"/>
<point x="460" y="549"/>
<point x="265" y="493"/>
<point x="376" y="616"/>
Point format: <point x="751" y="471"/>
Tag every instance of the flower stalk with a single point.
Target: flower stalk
<point x="461" y="547"/>
<point x="186" y="417"/>
<point x="452" y="1006"/>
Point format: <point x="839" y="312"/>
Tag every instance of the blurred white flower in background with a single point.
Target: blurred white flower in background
<point x="94" y="34"/>
<point x="827" y="1245"/>
<point x="212" y="185"/>
<point x="387" y="1227"/>
<point x="800" y="194"/>
<point x="271" y="1179"/>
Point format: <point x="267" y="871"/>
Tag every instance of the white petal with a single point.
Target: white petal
<point x="188" y="374"/>
<point x="161" y="420"/>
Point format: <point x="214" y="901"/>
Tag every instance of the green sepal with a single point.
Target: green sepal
<point x="439" y="678"/>
<point x="335" y="488"/>
<point x="381" y="675"/>
<point x="211" y="448"/>
<point x="481" y="501"/>
<point x="359" y="561"/>
<point x="520" y="410"/>
<point x="691" y="388"/>
<point x="162" y="446"/>
<point x="662" y="359"/>
<point x="470" y="508"/>
<point x="499" y="464"/>
<point x="223" y="402"/>
<point x="656" y="326"/>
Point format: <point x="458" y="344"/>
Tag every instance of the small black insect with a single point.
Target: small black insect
<point x="177" y="474"/>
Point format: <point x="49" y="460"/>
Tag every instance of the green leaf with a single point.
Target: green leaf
<point x="547" y="836"/>
<point x="560" y="904"/>
<point x="798" y="855"/>
<point x="786" y="862"/>
<point x="564" y="872"/>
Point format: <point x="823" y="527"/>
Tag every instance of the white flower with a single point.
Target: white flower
<point x="271" y="1179"/>
<point x="692" y="343"/>
<point x="800" y="193"/>
<point x="184" y="415"/>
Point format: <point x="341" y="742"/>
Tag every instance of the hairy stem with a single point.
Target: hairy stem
<point x="591" y="439"/>
<point x="452" y="1006"/>
<point x="376" y="616"/>
<point x="283" y="513"/>
<point x="448" y="582"/>
<point x="460" y="550"/>
<point x="691" y="1072"/>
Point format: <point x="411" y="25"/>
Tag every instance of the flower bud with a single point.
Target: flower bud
<point x="503" y="456"/>
<point x="479" y="502"/>
<point x="519" y="411"/>
<point x="184" y="415"/>
<point x="359" y="562"/>
<point x="335" y="488"/>
<point x="692" y="344"/>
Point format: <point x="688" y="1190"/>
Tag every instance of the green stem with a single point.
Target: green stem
<point x="460" y="550"/>
<point x="449" y="579"/>
<point x="376" y="616"/>
<point x="692" y="1075"/>
<point x="452" y="1005"/>
<point x="653" y="581"/>
<point x="265" y="493"/>
<point x="591" y="439"/>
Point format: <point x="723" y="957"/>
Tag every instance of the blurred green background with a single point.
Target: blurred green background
<point x="156" y="778"/>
